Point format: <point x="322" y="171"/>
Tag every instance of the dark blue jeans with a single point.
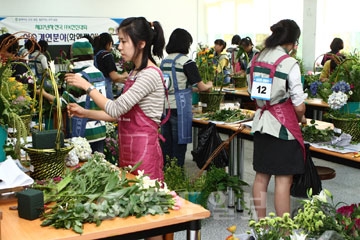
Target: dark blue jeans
<point x="171" y="147"/>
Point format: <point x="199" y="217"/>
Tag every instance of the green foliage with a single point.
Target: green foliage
<point x="217" y="179"/>
<point x="314" y="135"/>
<point x="228" y="115"/>
<point x="177" y="180"/>
<point x="97" y="191"/>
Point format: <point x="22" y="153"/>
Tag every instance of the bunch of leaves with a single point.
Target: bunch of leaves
<point x="273" y="227"/>
<point x="97" y="191"/>
<point x="217" y="179"/>
<point x="313" y="134"/>
<point x="178" y="180"/>
<point x="228" y="115"/>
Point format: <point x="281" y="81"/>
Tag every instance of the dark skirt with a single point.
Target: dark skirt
<point x="276" y="156"/>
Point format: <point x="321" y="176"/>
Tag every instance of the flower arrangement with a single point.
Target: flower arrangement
<point x="315" y="217"/>
<point x="349" y="71"/>
<point x="339" y="96"/>
<point x="18" y="96"/>
<point x="99" y="190"/>
<point x="205" y="62"/>
<point x="319" y="214"/>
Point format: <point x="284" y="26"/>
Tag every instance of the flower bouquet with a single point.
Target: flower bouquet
<point x="205" y="62"/>
<point x="341" y="116"/>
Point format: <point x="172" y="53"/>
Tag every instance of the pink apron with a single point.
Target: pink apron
<point x="139" y="141"/>
<point x="283" y="112"/>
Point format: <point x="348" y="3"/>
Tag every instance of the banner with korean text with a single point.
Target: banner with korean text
<point x="59" y="30"/>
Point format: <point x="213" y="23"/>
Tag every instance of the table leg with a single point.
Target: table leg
<point x="232" y="171"/>
<point x="194" y="233"/>
<point x="240" y="168"/>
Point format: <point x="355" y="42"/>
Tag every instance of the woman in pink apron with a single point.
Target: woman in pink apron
<point x="139" y="108"/>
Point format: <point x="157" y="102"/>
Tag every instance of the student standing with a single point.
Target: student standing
<point x="94" y="131"/>
<point x="139" y="108"/>
<point x="274" y="81"/>
<point x="178" y="130"/>
<point x="104" y="61"/>
<point x="221" y="61"/>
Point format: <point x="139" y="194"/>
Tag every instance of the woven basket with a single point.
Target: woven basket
<point x="348" y="125"/>
<point x="49" y="163"/>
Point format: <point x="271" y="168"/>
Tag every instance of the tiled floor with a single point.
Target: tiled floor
<point x="344" y="187"/>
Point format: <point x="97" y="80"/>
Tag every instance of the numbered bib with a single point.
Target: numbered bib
<point x="167" y="80"/>
<point x="261" y="88"/>
<point x="100" y="86"/>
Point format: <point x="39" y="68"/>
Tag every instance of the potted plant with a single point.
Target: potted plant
<point x="212" y="181"/>
<point x="218" y="182"/>
<point x="178" y="180"/>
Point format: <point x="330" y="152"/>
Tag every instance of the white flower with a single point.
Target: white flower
<point x="81" y="148"/>
<point x="321" y="197"/>
<point x="52" y="66"/>
<point x="337" y="100"/>
<point x="298" y="236"/>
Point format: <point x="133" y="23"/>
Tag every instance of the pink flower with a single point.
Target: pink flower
<point x="177" y="199"/>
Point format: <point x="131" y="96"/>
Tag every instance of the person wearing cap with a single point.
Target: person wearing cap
<point x="94" y="131"/>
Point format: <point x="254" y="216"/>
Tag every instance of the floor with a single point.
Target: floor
<point x="344" y="187"/>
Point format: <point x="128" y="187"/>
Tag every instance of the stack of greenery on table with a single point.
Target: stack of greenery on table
<point x="99" y="190"/>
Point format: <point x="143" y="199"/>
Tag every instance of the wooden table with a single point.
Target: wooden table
<point x="187" y="218"/>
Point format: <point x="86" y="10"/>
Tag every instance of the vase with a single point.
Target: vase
<point x="210" y="101"/>
<point x="3" y="138"/>
<point x="239" y="82"/>
<point x="348" y="125"/>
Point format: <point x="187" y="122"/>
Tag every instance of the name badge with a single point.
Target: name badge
<point x="261" y="88"/>
<point x="167" y="80"/>
<point x="100" y="86"/>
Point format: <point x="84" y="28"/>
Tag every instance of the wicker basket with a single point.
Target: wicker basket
<point x="49" y="163"/>
<point x="348" y="125"/>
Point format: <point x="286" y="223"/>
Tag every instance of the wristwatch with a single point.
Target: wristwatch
<point x="90" y="89"/>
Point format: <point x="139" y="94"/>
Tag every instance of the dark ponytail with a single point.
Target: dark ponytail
<point x="283" y="32"/>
